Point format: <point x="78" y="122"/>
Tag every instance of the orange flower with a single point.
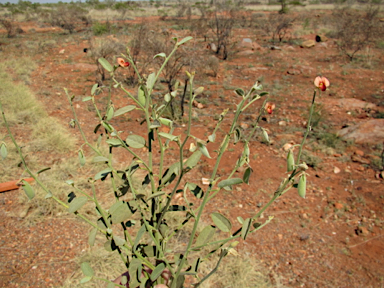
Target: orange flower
<point x="269" y="107"/>
<point x="122" y="62"/>
<point x="321" y="82"/>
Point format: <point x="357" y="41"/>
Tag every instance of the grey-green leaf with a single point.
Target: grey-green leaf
<point x="301" y="187"/>
<point x="168" y="136"/>
<point x="221" y="222"/>
<point x="203" y="149"/>
<point x="193" y="160"/>
<point x="100" y="158"/>
<point x="87" y="269"/>
<point x="114" y="142"/>
<point x="157" y="271"/>
<point x="77" y="203"/>
<point x="124" y="110"/>
<point x="85" y="279"/>
<point x="182" y="41"/>
<point x="247" y="173"/>
<point x="240" y="92"/>
<point x="118" y="241"/>
<point x="230" y="182"/>
<point x="160" y="55"/>
<point x="205" y="235"/>
<point x="102" y="173"/>
<point x="141" y="96"/>
<point x="107" y="66"/>
<point x="120" y="212"/>
<point x="81" y="158"/>
<point x="245" y="228"/>
<point x="135" y="141"/>
<point x="92" y="237"/>
<point x="290" y="161"/>
<point x="151" y="81"/>
<point x="94" y="87"/>
<point x="3" y="150"/>
<point x="28" y="189"/>
<point x="212" y="137"/>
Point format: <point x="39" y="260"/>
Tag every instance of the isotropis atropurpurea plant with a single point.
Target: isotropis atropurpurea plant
<point x="136" y="225"/>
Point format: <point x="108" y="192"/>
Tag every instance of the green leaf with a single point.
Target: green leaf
<point x="28" y="189"/>
<point x="85" y="279"/>
<point x="173" y="208"/>
<point x="124" y="110"/>
<point x="263" y="94"/>
<point x="70" y="182"/>
<point x="237" y="134"/>
<point x="229" y="182"/>
<point x="193" y="160"/>
<point x="160" y="55"/>
<point x="169" y="136"/>
<point x="92" y="237"/>
<point x="87" y="269"/>
<point x="265" y="136"/>
<point x="166" y="122"/>
<point x="139" y="234"/>
<point x="221" y="222"/>
<point x="203" y="149"/>
<point x="120" y="211"/>
<point x="301" y="188"/>
<point x="141" y="96"/>
<point x="155" y="124"/>
<point x="107" y="127"/>
<point x="85" y="99"/>
<point x="167" y="97"/>
<point x="245" y="229"/>
<point x="157" y="271"/>
<point x="182" y="41"/>
<point x="198" y="91"/>
<point x="118" y="241"/>
<point x="196" y="190"/>
<point x="102" y="173"/>
<point x="247" y="173"/>
<point x="135" y="141"/>
<point x="290" y="161"/>
<point x="205" y="235"/>
<point x="106" y="64"/>
<point x="212" y="137"/>
<point x="43" y="170"/>
<point x="170" y="174"/>
<point x="77" y="203"/>
<point x="240" y="92"/>
<point x="100" y="159"/>
<point x="3" y="150"/>
<point x="110" y="113"/>
<point x="114" y="142"/>
<point x="81" y="157"/>
<point x="151" y="81"/>
<point x="94" y="87"/>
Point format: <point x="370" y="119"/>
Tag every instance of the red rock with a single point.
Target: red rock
<point x="359" y="153"/>
<point x="339" y="206"/>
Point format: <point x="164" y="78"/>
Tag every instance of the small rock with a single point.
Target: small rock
<point x="339" y="206"/>
<point x="246" y="42"/>
<point x="287" y="146"/>
<point x="359" y="153"/>
<point x="305" y="216"/>
<point x="336" y="170"/>
<point x="62" y="51"/>
<point x="275" y="48"/>
<point x="293" y="72"/>
<point x="360" y="168"/>
<point x="358" y="159"/>
<point x="308" y="44"/>
<point x="205" y="181"/>
<point x="282" y="123"/>
<point x="244" y="125"/>
<point x="362" y="231"/>
<point x="304" y="237"/>
<point x="198" y="105"/>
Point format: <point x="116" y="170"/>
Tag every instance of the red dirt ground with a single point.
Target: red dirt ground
<point x="333" y="238"/>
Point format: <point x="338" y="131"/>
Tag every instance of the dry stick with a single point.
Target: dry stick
<point x="378" y="236"/>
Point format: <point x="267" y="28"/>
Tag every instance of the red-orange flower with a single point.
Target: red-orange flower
<point x="321" y="82"/>
<point x="122" y="62"/>
<point x="269" y="107"/>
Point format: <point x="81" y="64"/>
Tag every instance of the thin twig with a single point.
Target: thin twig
<point x="378" y="236"/>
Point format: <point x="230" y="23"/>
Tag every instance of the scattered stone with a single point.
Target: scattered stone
<point x="244" y="125"/>
<point x="362" y="231"/>
<point x="205" y="181"/>
<point x="197" y="104"/>
<point x="62" y="51"/>
<point x="275" y="48"/>
<point x="246" y="42"/>
<point x="282" y="123"/>
<point x="337" y="155"/>
<point x="294" y="72"/>
<point x="358" y="159"/>
<point x="304" y="216"/>
<point x="290" y="48"/>
<point x="304" y="237"/>
<point x="212" y="47"/>
<point x="359" y="153"/>
<point x="338" y="206"/>
<point x="360" y="168"/>
<point x="287" y="146"/>
<point x="321" y="38"/>
<point x="308" y="44"/>
<point x="336" y="170"/>
<point x="245" y="53"/>
<point x="369" y="132"/>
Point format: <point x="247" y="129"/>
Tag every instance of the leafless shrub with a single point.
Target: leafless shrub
<point x="356" y="30"/>
<point x="69" y="17"/>
<point x="278" y="26"/>
<point x="105" y="47"/>
<point x="12" y="28"/>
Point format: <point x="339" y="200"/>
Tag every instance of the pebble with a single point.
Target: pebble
<point x="336" y="170"/>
